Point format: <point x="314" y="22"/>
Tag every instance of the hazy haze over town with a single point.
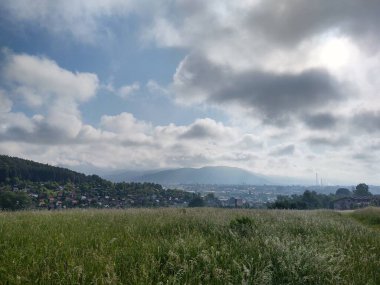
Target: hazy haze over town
<point x="286" y="88"/>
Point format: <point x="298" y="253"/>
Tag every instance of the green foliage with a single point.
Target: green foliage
<point x="192" y="246"/>
<point x="242" y="226"/>
<point x="308" y="200"/>
<point x="343" y="192"/>
<point x="13" y="200"/>
<point x="44" y="182"/>
<point x="14" y="170"/>
<point x="197" y="201"/>
<point x="362" y="189"/>
<point x="368" y="216"/>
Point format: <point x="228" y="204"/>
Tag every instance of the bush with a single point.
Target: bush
<point x="13" y="200"/>
<point x="197" y="202"/>
<point x="242" y="226"/>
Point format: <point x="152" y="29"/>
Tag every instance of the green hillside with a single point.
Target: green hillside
<point x="26" y="184"/>
<point x="12" y="168"/>
<point x="188" y="246"/>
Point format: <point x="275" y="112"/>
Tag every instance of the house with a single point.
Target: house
<point x="235" y="202"/>
<point x="58" y="204"/>
<point x="348" y="203"/>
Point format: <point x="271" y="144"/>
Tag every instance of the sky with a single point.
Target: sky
<point x="286" y="88"/>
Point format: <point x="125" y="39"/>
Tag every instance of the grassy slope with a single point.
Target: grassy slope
<point x="368" y="216"/>
<point x="192" y="246"/>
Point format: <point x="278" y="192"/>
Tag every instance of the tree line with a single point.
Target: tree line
<point x="13" y="169"/>
<point x="26" y="184"/>
<point x="313" y="200"/>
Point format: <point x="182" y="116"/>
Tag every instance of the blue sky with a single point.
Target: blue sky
<point x="286" y="88"/>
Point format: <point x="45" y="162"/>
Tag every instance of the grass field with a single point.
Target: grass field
<point x="190" y="246"/>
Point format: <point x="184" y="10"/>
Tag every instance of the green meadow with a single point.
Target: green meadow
<point x="190" y="246"/>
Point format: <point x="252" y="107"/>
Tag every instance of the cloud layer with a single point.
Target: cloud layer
<point x="297" y="80"/>
<point x="56" y="129"/>
<point x="275" y="96"/>
<point x="52" y="92"/>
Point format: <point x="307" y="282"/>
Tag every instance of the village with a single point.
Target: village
<point x="150" y="195"/>
<point x="53" y="196"/>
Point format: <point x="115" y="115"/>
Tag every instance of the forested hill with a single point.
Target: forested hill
<point x="12" y="168"/>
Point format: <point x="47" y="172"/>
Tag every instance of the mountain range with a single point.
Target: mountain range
<point x="204" y="175"/>
<point x="13" y="167"/>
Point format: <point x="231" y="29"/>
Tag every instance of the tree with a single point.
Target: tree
<point x="13" y="201"/>
<point x="197" y="201"/>
<point x="362" y="190"/>
<point x="308" y="200"/>
<point x="343" y="192"/>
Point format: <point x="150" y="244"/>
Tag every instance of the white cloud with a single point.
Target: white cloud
<point x="127" y="90"/>
<point x="38" y="80"/>
<point x="5" y="102"/>
<point x="123" y="142"/>
<point x="302" y="76"/>
<point x="235" y="47"/>
<point x="124" y="123"/>
<point x="207" y="129"/>
<point x="127" y="129"/>
<point x="15" y="125"/>
<point x="163" y="33"/>
<point x="46" y="88"/>
<point x="249" y="142"/>
<point x="274" y="37"/>
<point x="120" y="141"/>
<point x="156" y="88"/>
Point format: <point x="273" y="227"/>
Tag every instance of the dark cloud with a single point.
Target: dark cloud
<point x="321" y="121"/>
<point x="42" y="134"/>
<point x="278" y="95"/>
<point x="205" y="129"/>
<point x="374" y="147"/>
<point x="198" y="132"/>
<point x="368" y="121"/>
<point x="38" y="130"/>
<point x="365" y="157"/>
<point x="275" y="96"/>
<point x="290" y="22"/>
<point x="283" y="151"/>
<point x="328" y="141"/>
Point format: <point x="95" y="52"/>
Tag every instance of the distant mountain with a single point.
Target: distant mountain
<point x="12" y="168"/>
<point x="128" y="176"/>
<point x="285" y="180"/>
<point x="204" y="175"/>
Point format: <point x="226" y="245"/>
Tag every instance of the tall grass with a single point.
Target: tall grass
<point x="187" y="246"/>
<point x="369" y="216"/>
